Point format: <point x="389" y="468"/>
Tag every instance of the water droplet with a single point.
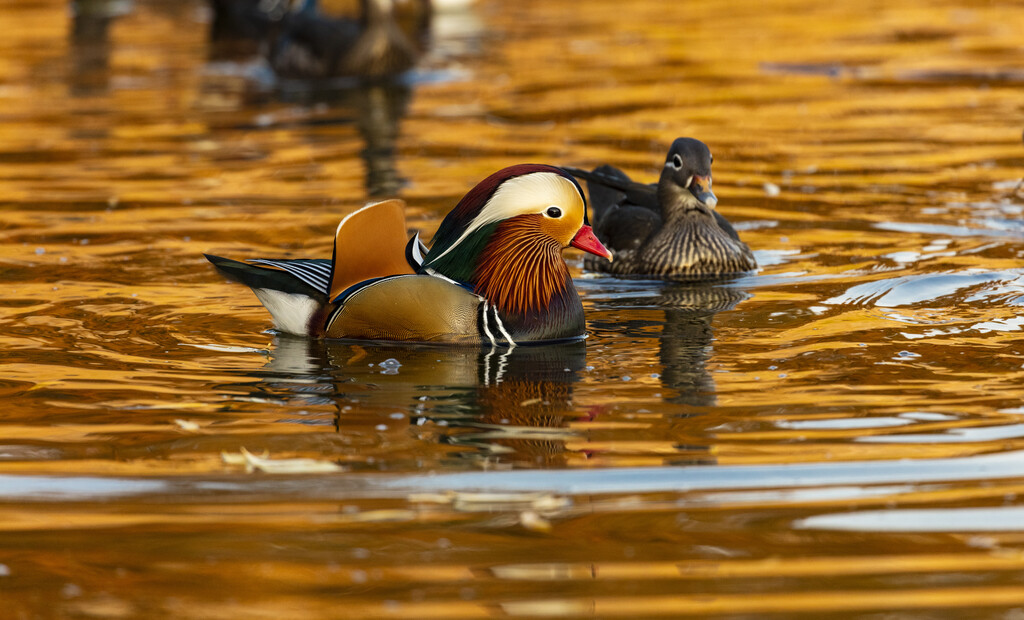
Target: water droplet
<point x="71" y="590"/>
<point x="390" y="362"/>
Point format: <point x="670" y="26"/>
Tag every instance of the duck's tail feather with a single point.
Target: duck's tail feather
<point x="605" y="186"/>
<point x="292" y="301"/>
<point x="265" y="276"/>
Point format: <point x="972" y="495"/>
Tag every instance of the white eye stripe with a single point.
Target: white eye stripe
<point x="513" y="198"/>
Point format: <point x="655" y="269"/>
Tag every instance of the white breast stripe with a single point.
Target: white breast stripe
<point x="504" y="332"/>
<point x="483" y="322"/>
<point x="315" y="272"/>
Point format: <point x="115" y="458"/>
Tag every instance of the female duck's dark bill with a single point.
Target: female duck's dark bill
<point x="700" y="187"/>
<point x="586" y="240"/>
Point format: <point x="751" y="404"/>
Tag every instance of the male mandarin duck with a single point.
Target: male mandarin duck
<point x="669" y="230"/>
<point x="494" y="273"/>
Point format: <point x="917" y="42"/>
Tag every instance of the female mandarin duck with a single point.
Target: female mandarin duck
<point x="494" y="274"/>
<point x="669" y="230"/>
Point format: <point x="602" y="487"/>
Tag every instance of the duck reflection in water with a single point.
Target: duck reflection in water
<point x="356" y="65"/>
<point x="495" y="407"/>
<point x="685" y="343"/>
<point x="90" y="44"/>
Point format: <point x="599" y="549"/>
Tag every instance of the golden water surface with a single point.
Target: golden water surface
<point x="838" y="435"/>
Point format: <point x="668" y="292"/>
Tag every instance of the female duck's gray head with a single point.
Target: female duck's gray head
<point x="686" y="177"/>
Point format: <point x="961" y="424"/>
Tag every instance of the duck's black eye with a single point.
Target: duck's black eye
<point x="677" y="162"/>
<point x="553" y="212"/>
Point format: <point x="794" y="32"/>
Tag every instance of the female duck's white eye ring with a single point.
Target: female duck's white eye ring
<point x="553" y="212"/>
<point x="677" y="162"/>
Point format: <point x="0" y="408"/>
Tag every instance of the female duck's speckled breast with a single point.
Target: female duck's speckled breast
<point x="690" y="246"/>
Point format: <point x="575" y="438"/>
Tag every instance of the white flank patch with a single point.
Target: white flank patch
<point x="291" y="313"/>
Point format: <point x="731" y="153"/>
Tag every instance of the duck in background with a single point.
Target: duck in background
<point x="669" y="230"/>
<point x="314" y="44"/>
<point x="348" y="58"/>
<point x="494" y="273"/>
<point x="90" y="49"/>
<point x="302" y="40"/>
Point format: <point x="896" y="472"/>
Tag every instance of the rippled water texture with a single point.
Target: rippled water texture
<point x="841" y="434"/>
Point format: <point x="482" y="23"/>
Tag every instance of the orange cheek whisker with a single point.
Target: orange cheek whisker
<point x="522" y="268"/>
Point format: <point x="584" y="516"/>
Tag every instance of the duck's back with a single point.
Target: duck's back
<point x="626" y="213"/>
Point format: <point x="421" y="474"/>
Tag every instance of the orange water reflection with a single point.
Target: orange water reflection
<point x="869" y="153"/>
